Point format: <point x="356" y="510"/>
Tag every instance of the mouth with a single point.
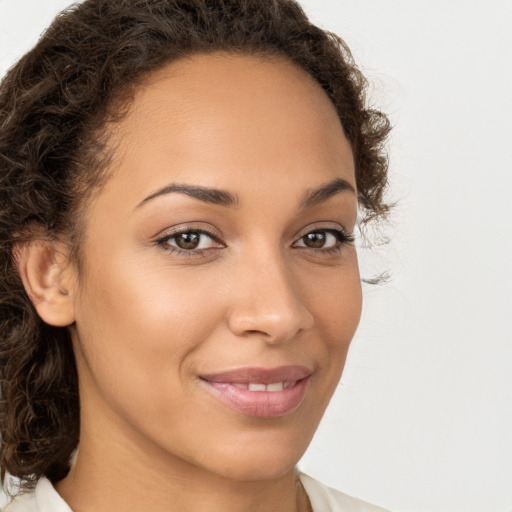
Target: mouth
<point x="260" y="392"/>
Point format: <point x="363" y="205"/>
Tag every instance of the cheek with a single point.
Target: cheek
<point x="336" y="303"/>
<point x="137" y="326"/>
<point x="132" y="297"/>
<point x="335" y="299"/>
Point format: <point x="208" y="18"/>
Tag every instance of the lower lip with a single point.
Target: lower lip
<point x="262" y="404"/>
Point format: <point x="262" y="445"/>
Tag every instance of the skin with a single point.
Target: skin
<point x="149" y="322"/>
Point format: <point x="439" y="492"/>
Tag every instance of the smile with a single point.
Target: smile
<point x="265" y="393"/>
<point x="257" y="386"/>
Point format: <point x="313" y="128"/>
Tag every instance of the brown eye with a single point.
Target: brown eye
<point x="188" y="240"/>
<point x="319" y="240"/>
<point x="315" y="240"/>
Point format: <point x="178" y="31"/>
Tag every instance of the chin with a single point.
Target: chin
<point x="260" y="469"/>
<point x="265" y="457"/>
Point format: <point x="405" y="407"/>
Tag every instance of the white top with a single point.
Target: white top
<point x="323" y="499"/>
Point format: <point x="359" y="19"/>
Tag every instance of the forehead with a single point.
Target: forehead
<point x="224" y="118"/>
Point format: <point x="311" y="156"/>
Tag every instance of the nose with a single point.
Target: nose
<point x="268" y="301"/>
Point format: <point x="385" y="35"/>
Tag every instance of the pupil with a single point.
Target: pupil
<point x="187" y="240"/>
<point x="315" y="240"/>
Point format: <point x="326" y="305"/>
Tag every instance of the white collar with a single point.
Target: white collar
<point x="48" y="499"/>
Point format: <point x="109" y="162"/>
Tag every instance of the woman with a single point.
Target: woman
<point x="180" y="186"/>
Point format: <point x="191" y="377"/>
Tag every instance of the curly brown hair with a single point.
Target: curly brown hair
<point x="54" y="106"/>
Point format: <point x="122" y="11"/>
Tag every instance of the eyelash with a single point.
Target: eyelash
<point x="343" y="238"/>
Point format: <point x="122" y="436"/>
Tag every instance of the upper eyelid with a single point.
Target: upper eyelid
<point x="327" y="226"/>
<point x="169" y="233"/>
<point x="300" y="234"/>
<point x="326" y="230"/>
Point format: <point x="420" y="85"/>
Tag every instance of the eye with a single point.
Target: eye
<point x="188" y="241"/>
<point x="324" y="239"/>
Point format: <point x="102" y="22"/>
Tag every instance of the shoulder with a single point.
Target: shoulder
<point x="22" y="503"/>
<point x="325" y="499"/>
<point x="43" y="499"/>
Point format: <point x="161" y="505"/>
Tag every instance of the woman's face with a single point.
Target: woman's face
<point x="219" y="288"/>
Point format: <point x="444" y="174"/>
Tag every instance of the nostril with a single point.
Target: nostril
<point x="256" y="331"/>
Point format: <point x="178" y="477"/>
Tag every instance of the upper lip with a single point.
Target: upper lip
<point x="261" y="375"/>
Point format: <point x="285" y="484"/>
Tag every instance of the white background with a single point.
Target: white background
<point x="423" y="418"/>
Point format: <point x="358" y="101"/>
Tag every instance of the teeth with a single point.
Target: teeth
<point x="253" y="386"/>
<point x="276" y="386"/>
<point x="258" y="386"/>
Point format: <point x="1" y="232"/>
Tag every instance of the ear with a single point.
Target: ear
<point x="49" y="280"/>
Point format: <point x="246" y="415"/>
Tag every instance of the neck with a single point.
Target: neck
<point x="101" y="491"/>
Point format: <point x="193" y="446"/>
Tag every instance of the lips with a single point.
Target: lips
<point x="260" y="392"/>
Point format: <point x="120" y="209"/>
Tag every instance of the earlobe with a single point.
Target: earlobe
<point x="49" y="281"/>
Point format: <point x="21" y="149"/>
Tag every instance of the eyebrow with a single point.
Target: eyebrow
<point x="323" y="192"/>
<point x="205" y="194"/>
<point x="220" y="197"/>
